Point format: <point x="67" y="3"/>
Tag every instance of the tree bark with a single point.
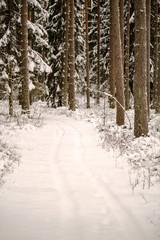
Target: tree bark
<point x="24" y="66"/>
<point x="87" y="55"/>
<point x="155" y="80"/>
<point x="148" y="19"/>
<point x="10" y="80"/>
<point x="111" y="67"/>
<point x="140" y="91"/>
<point x="98" y="52"/>
<point x="72" y="58"/>
<point x="65" y="85"/>
<point x="122" y="28"/>
<point x="127" y="57"/>
<point x="158" y="71"/>
<point x="118" y="66"/>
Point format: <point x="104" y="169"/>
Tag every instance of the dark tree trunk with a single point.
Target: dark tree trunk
<point x="87" y="55"/>
<point x="98" y="52"/>
<point x="111" y="67"/>
<point x="24" y="65"/>
<point x="127" y="57"/>
<point x="72" y="58"/>
<point x="65" y="85"/>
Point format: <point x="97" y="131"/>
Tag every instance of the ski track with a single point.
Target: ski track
<point x="67" y="188"/>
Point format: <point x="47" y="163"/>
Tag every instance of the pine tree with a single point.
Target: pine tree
<point x="111" y="56"/>
<point x="140" y="91"/>
<point x="56" y="30"/>
<point x="72" y="59"/>
<point x="117" y="60"/>
<point x="127" y="57"/>
<point x="24" y="65"/>
<point x="9" y="50"/>
<point x="87" y="55"/>
<point x="66" y="62"/>
<point x="148" y="24"/>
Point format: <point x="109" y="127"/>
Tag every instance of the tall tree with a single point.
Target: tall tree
<point x="157" y="55"/>
<point x="148" y="19"/>
<point x="117" y="58"/>
<point x="122" y="28"/>
<point x="127" y="57"/>
<point x="87" y="54"/>
<point x="65" y="84"/>
<point x="155" y="79"/>
<point x="111" y="54"/>
<point x="98" y="52"/>
<point x="24" y="65"/>
<point x="72" y="58"/>
<point x="140" y="91"/>
<point x="10" y="82"/>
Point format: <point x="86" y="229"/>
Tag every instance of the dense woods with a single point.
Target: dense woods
<point x="57" y="50"/>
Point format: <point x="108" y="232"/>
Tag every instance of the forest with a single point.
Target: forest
<point x="55" y="50"/>
<point x="79" y="119"/>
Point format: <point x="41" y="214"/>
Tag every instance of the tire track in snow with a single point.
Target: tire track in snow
<point x="117" y="209"/>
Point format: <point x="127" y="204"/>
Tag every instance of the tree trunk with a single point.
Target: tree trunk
<point x="87" y="55"/>
<point x="158" y="71"/>
<point x="24" y="65"/>
<point x="98" y="52"/>
<point x="111" y="67"/>
<point x="127" y="57"/>
<point x="72" y="58"/>
<point x="65" y="85"/>
<point x="122" y="28"/>
<point x="140" y="91"/>
<point x="155" y="80"/>
<point x="10" y="81"/>
<point x="148" y="19"/>
<point x="117" y="58"/>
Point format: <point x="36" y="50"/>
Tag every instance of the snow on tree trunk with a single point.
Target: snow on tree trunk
<point x="140" y="91"/>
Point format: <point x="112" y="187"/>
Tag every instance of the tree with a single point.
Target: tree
<point x="72" y="58"/>
<point x="148" y="24"/>
<point x="117" y="60"/>
<point x="122" y="28"/>
<point x="65" y="84"/>
<point x="24" y="65"/>
<point x="55" y="29"/>
<point x="140" y="91"/>
<point x="87" y="54"/>
<point x="155" y="79"/>
<point x="98" y="51"/>
<point x="157" y="60"/>
<point x="127" y="57"/>
<point x="111" y="54"/>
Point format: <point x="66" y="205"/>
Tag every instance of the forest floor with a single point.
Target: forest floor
<point x="77" y="178"/>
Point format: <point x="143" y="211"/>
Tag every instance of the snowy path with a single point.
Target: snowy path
<point x="67" y="188"/>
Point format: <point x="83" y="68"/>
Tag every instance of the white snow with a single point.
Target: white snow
<point x="68" y="188"/>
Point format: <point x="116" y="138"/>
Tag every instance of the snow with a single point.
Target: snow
<point x="67" y="187"/>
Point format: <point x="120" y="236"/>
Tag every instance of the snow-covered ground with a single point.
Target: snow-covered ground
<point x="67" y="187"/>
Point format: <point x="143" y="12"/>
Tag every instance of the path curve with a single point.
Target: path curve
<point x="67" y="188"/>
